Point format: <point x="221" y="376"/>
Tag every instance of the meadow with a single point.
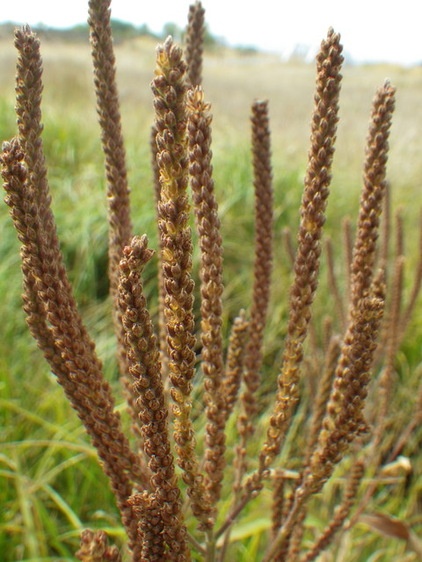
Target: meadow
<point x="50" y="483"/>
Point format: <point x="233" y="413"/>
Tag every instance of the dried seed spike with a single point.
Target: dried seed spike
<point x="372" y="193"/>
<point x="111" y="133"/>
<point x="211" y="275"/>
<point x="161" y="290"/>
<point x="261" y="150"/>
<point x="176" y="257"/>
<point x="324" y="123"/>
<point x="150" y="528"/>
<point x="94" y="548"/>
<point x="343" y="420"/>
<point x="144" y="366"/>
<point x="120" y="225"/>
<point x="28" y="108"/>
<point x="15" y="177"/>
<point x="49" y="302"/>
<point x="194" y="43"/>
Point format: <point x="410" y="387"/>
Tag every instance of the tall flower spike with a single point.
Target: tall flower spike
<point x="28" y="111"/>
<point x="344" y="413"/>
<point x="120" y="226"/>
<point x="49" y="303"/>
<point x="194" y="43"/>
<point x="372" y="193"/>
<point x="161" y="289"/>
<point x="211" y="274"/>
<point x="151" y="529"/>
<point x="261" y="151"/>
<point x="57" y="327"/>
<point x="144" y="366"/>
<point x="324" y="124"/>
<point x="176" y="257"/>
<point x="387" y="348"/>
<point x="111" y="133"/>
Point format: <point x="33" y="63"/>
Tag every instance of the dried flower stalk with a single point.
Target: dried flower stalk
<point x="49" y="303"/>
<point x="372" y="194"/>
<point x="169" y="91"/>
<point x="120" y="225"/>
<point x="144" y="366"/>
<point x="194" y="43"/>
<point x="261" y="156"/>
<point x="94" y="548"/>
<point x="161" y="289"/>
<point x="306" y="266"/>
<point x="112" y="138"/>
<point x="149" y="499"/>
<point x="344" y="413"/>
<point x="344" y="418"/>
<point x="56" y="325"/>
<point x="211" y="275"/>
<point x="261" y="150"/>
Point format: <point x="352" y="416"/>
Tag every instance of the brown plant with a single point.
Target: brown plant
<point x="175" y="466"/>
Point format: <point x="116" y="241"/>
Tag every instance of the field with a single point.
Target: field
<point x="50" y="483"/>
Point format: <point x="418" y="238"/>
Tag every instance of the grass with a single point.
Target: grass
<point x="50" y="483"/>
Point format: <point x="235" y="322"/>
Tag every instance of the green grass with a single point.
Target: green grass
<point x="50" y="483"/>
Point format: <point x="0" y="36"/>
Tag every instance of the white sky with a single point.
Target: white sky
<point x="371" y="30"/>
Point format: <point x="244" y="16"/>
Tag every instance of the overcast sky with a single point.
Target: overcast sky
<point x="371" y="30"/>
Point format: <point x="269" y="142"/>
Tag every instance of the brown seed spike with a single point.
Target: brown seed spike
<point x="53" y="316"/>
<point x="211" y="274"/>
<point x="144" y="365"/>
<point x="176" y="257"/>
<point x="194" y="43"/>
<point x="120" y="226"/>
<point x="324" y="124"/>
<point x="261" y="150"/>
<point x="372" y="193"/>
<point x="94" y="548"/>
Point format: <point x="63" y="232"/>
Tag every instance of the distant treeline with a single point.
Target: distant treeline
<point x="122" y="31"/>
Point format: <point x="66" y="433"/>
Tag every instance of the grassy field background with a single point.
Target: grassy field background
<point x="50" y="483"/>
